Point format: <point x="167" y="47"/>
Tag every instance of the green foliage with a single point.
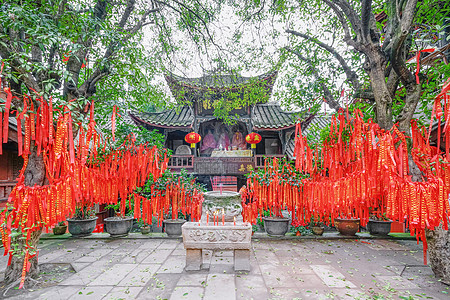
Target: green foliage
<point x="304" y="230"/>
<point x="110" y="52"/>
<point x="286" y="172"/>
<point x="116" y="207"/>
<point x="125" y="133"/>
<point x="84" y="212"/>
<point x="315" y="221"/>
<point x="168" y="178"/>
<point x="308" y="67"/>
<point x="143" y="136"/>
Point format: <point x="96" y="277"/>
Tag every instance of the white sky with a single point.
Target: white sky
<point x="223" y="30"/>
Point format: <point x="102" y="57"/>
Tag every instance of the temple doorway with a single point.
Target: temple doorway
<point x="218" y="136"/>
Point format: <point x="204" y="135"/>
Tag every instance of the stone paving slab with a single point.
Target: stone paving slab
<point x="140" y="276"/>
<point x="220" y="287"/>
<point x="91" y="292"/>
<point x="187" y="293"/>
<point x="122" y="292"/>
<point x="280" y="269"/>
<point x="332" y="277"/>
<point x="114" y="275"/>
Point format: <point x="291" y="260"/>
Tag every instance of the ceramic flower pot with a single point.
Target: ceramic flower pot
<point x="347" y="226"/>
<point x="145" y="229"/>
<point x="298" y="233"/>
<point x="317" y="230"/>
<point x="379" y="227"/>
<point x="79" y="228"/>
<point x="276" y="226"/>
<point x="118" y="226"/>
<point x="173" y="227"/>
<point x="59" y="230"/>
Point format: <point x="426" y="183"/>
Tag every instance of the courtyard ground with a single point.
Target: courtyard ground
<point x="153" y="268"/>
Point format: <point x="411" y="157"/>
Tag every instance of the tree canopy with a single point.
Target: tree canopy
<point x="361" y="47"/>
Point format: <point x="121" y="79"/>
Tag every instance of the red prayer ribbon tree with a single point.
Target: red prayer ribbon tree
<point x="167" y="196"/>
<point x="73" y="179"/>
<point x="77" y="175"/>
<point x="361" y="167"/>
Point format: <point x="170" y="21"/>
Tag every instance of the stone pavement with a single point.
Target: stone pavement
<point x="281" y="269"/>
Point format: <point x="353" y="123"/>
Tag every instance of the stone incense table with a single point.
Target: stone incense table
<point x="230" y="235"/>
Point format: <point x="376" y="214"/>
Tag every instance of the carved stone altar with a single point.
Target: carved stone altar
<point x="203" y="235"/>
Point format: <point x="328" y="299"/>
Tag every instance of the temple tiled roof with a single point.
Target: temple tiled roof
<point x="314" y="126"/>
<point x="219" y="81"/>
<point x="271" y="116"/>
<point x="264" y="117"/>
<point x="181" y="117"/>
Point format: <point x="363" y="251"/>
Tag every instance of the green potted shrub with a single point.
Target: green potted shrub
<point x="299" y="229"/>
<point x="83" y="222"/>
<point x="171" y="223"/>
<point x="60" y="228"/>
<point x="172" y="226"/>
<point x="275" y="224"/>
<point x="379" y="224"/>
<point x="144" y="227"/>
<point x="316" y="225"/>
<point x="121" y="223"/>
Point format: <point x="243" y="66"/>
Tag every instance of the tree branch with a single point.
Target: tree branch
<point x="411" y="100"/>
<point x="351" y="75"/>
<point x="24" y="75"/>
<point x="88" y="87"/>
<point x="366" y="10"/>
<point x="327" y="93"/>
<point x="351" y="15"/>
<point x="392" y="82"/>
<point x="397" y="54"/>
<point x="364" y="94"/>
<point x="342" y="19"/>
<point x="205" y="25"/>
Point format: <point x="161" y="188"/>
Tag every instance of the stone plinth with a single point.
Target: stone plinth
<point x="199" y="236"/>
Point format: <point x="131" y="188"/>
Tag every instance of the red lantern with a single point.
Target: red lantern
<point x="192" y="138"/>
<point x="253" y="139"/>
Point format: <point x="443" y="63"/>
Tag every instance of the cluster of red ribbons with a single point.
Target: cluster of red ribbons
<point x="174" y="199"/>
<point x="75" y="177"/>
<point x="361" y="168"/>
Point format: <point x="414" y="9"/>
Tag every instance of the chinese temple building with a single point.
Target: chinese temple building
<point x="222" y="150"/>
<point x="10" y="163"/>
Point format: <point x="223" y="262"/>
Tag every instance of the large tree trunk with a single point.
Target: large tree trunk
<point x="439" y="252"/>
<point x="380" y="89"/>
<point x="13" y="272"/>
<point x="34" y="175"/>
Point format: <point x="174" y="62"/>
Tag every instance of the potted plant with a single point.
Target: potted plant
<point x="347" y="226"/>
<point x="121" y="223"/>
<point x="60" y="228"/>
<point x="299" y="229"/>
<point x="144" y="227"/>
<point x="179" y="186"/>
<point x="83" y="222"/>
<point x="379" y="224"/>
<point x="275" y="224"/>
<point x="172" y="226"/>
<point x="316" y="226"/>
